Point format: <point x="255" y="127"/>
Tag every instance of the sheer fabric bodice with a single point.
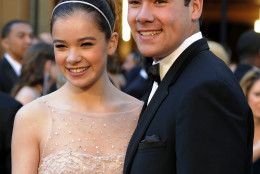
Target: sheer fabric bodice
<point x="87" y="142"/>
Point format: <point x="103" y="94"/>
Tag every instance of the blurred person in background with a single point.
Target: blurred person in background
<point x="131" y="66"/>
<point x="8" y="109"/>
<point x="137" y="83"/>
<point x="250" y="84"/>
<point x="37" y="75"/>
<point x="115" y="77"/>
<point x="219" y="51"/>
<point x="248" y="50"/>
<point x="46" y="37"/>
<point x="17" y="37"/>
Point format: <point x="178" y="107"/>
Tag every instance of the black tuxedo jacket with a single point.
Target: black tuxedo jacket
<point x="198" y="121"/>
<point x="8" y="76"/>
<point x="8" y="109"/>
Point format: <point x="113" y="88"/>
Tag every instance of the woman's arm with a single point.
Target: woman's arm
<point x="25" y="142"/>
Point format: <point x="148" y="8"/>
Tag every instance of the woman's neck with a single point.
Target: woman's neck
<point x="98" y="95"/>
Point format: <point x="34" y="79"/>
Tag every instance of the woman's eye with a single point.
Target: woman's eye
<point x="87" y="44"/>
<point x="257" y="93"/>
<point x="59" y="46"/>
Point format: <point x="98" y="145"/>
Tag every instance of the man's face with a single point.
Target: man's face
<point x="18" y="41"/>
<point x="159" y="27"/>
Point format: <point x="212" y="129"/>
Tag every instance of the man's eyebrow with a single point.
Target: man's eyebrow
<point x="24" y="32"/>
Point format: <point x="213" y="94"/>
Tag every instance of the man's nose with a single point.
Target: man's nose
<point x="145" y="14"/>
<point x="28" y="39"/>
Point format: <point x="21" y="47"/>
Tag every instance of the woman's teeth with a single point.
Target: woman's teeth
<point x="78" y="70"/>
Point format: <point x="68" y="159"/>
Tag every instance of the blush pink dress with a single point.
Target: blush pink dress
<point x="91" y="143"/>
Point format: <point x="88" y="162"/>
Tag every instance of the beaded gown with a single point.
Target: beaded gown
<point x="91" y="143"/>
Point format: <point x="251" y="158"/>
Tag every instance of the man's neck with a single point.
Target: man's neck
<point x="15" y="58"/>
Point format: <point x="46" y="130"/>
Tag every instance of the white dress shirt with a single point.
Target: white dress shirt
<point x="167" y="62"/>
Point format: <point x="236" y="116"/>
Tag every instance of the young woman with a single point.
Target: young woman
<point x="85" y="126"/>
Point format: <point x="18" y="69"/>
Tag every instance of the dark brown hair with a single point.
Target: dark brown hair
<point x="106" y="6"/>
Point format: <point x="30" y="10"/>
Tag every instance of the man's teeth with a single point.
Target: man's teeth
<point x="78" y="70"/>
<point x="148" y="33"/>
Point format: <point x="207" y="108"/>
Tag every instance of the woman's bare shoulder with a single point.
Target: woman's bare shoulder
<point x="34" y="112"/>
<point x="127" y="102"/>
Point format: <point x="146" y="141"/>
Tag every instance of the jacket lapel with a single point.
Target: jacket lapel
<point x="161" y="93"/>
<point x="9" y="71"/>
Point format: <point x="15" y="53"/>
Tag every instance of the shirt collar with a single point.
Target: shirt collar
<point x="14" y="64"/>
<point x="167" y="62"/>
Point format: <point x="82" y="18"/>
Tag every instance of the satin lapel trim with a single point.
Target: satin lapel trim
<point x="145" y="102"/>
<point x="145" y="119"/>
<point x="159" y="96"/>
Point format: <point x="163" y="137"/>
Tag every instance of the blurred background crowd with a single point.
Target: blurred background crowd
<point x="28" y="70"/>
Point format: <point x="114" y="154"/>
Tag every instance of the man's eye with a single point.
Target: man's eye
<point x="21" y="36"/>
<point x="133" y="2"/>
<point x="160" y="1"/>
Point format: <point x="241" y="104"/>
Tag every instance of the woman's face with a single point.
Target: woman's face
<point x="81" y="49"/>
<point x="254" y="99"/>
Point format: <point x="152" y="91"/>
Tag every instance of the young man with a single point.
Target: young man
<point x="197" y="121"/>
<point x="16" y="40"/>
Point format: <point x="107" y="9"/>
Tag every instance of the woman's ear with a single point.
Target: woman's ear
<point x="112" y="45"/>
<point x="197" y="6"/>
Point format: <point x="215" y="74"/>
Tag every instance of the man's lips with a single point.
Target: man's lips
<point x="150" y="33"/>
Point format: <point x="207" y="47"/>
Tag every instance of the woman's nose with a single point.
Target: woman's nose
<point x="73" y="57"/>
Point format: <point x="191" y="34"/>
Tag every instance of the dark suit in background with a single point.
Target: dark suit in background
<point x="8" y="109"/>
<point x="242" y="69"/>
<point x="8" y="76"/>
<point x="138" y="87"/>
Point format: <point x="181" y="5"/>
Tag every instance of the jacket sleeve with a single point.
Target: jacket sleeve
<point x="214" y="131"/>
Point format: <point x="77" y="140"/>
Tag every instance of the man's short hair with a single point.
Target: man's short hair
<point x="186" y="3"/>
<point x="248" y="44"/>
<point x="7" y="28"/>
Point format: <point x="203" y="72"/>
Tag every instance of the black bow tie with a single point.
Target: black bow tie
<point x="154" y="73"/>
